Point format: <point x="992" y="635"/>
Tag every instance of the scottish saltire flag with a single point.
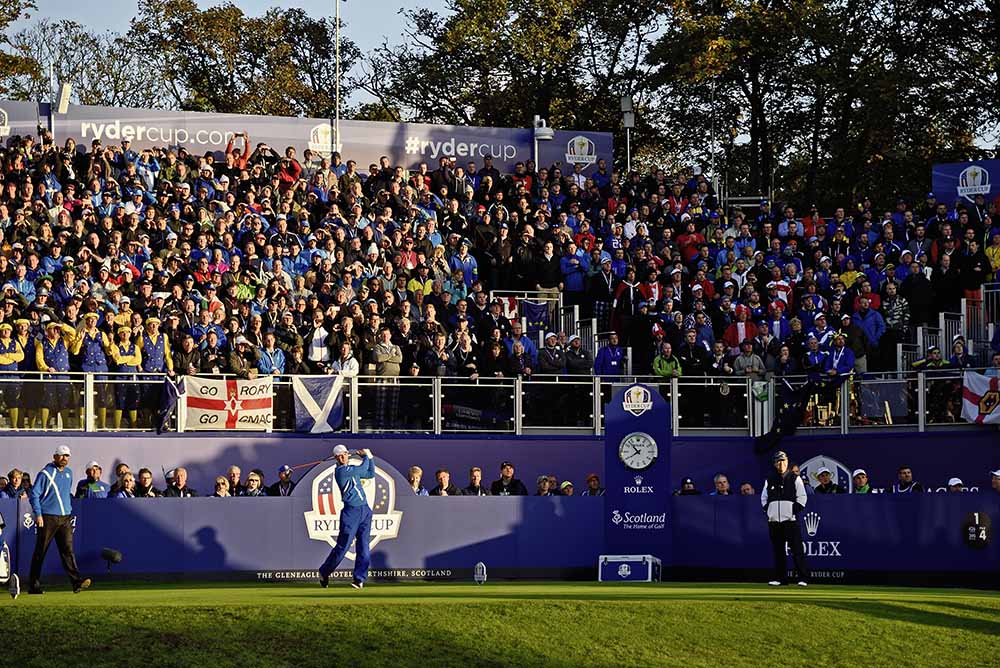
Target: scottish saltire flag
<point x="980" y="398"/>
<point x="168" y="402"/>
<point x="319" y="403"/>
<point x="536" y="314"/>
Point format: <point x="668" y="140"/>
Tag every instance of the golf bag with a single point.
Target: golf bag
<point x="7" y="575"/>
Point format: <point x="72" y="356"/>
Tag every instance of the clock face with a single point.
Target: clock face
<point x="637" y="451"/>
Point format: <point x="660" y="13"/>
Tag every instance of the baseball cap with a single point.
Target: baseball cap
<point x="779" y="456"/>
<point x="955" y="481"/>
<point x="822" y="470"/>
<point x="858" y="472"/>
<point x="687" y="481"/>
<point x="551" y="335"/>
<point x="592" y="476"/>
<point x="285" y="469"/>
<point x="565" y="484"/>
<point x="91" y="464"/>
<point x="505" y="464"/>
<point x="995" y="473"/>
<point x="339" y="449"/>
<point x="62" y="450"/>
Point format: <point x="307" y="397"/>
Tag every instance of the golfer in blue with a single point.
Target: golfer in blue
<point x="355" y="517"/>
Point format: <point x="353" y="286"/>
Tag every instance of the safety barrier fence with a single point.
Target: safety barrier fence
<point x="738" y="406"/>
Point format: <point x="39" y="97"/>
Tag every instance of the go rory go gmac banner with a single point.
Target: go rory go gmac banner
<point x="980" y="398"/>
<point x="229" y="404"/>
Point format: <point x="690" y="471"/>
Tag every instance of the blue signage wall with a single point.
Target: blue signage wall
<point x="956" y="182"/>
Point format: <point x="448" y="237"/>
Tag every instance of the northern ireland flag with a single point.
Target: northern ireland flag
<point x="230" y="404"/>
<point x="980" y="398"/>
<point x="319" y="403"/>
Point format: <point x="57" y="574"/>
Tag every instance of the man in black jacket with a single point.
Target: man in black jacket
<point x="445" y="487"/>
<point x="826" y="483"/>
<point x="508" y="485"/>
<point x="475" y="487"/>
<point x="784" y="496"/>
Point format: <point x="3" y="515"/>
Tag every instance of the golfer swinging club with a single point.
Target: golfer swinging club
<point x="355" y="517"/>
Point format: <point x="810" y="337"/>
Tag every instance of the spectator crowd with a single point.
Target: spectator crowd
<point x="128" y="484"/>
<point x="155" y="261"/>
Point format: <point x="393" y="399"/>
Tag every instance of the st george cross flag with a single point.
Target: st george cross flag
<point x="319" y="403"/>
<point x="215" y="405"/>
<point x="980" y="398"/>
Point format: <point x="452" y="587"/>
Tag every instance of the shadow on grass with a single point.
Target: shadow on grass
<point x="895" y="612"/>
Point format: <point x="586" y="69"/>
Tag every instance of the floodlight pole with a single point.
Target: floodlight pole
<point x="336" y="123"/>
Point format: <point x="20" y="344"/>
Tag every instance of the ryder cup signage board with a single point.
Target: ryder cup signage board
<point x="637" y="473"/>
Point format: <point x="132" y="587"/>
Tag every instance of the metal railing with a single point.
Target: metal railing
<point x="566" y="404"/>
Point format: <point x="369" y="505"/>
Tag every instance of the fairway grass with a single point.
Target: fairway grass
<point x="500" y="624"/>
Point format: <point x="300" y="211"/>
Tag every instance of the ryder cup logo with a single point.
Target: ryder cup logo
<point x="973" y="180"/>
<point x="4" y="125"/>
<point x="581" y="151"/>
<point x="321" y="140"/>
<point x="624" y="571"/>
<point x="323" y="521"/>
<point x="812" y="523"/>
<point x="637" y="400"/>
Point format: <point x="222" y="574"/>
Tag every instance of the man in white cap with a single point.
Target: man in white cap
<point x="355" y="516"/>
<point x="995" y="481"/>
<point x="826" y="483"/>
<point x="956" y="485"/>
<point x="92" y="487"/>
<point x="861" y="486"/>
<point x="52" y="506"/>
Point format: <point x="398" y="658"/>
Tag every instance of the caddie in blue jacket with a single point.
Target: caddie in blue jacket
<point x="355" y="517"/>
<point x="52" y="505"/>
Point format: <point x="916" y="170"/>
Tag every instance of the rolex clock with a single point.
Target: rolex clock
<point x="637" y="451"/>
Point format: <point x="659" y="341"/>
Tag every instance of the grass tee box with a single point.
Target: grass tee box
<point x="500" y="625"/>
<point x="628" y="568"/>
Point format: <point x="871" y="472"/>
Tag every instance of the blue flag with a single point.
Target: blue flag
<point x="319" y="403"/>
<point x="168" y="402"/>
<point x="536" y="314"/>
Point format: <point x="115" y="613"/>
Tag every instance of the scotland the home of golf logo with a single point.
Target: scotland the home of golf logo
<point x="323" y="521"/>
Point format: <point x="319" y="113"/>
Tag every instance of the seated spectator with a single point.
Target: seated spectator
<point x="178" y="487"/>
<point x="285" y="484"/>
<point x="444" y="485"/>
<point x="120" y="470"/>
<point x="861" y="486"/>
<point x="127" y="486"/>
<point x="236" y="487"/>
<point x="542" y="486"/>
<point x="13" y="489"/>
<point x="92" y="487"/>
<point x="144" y="487"/>
<point x="593" y="486"/>
<point x="221" y="488"/>
<point x="746" y="489"/>
<point x="475" y="486"/>
<point x="826" y="484"/>
<point x="687" y="488"/>
<point x="906" y="483"/>
<point x="995" y="480"/>
<point x="255" y="485"/>
<point x="956" y="485"/>
<point x="413" y="476"/>
<point x="566" y="488"/>
<point x="508" y="485"/>
<point x="721" y="483"/>
<point x="665" y="365"/>
<point x="578" y="360"/>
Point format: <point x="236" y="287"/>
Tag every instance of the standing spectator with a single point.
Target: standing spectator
<point x="896" y="312"/>
<point x="549" y="278"/>
<point x="873" y="326"/>
<point x="748" y="364"/>
<point x="475" y="486"/>
<point x="52" y="506"/>
<point x="270" y="359"/>
<point x="507" y="484"/>
<point x="551" y="358"/>
<point x="665" y="365"/>
<point x="610" y="360"/>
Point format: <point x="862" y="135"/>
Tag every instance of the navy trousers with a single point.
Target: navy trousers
<point x="356" y="525"/>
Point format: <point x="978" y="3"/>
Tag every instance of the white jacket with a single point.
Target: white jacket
<point x="782" y="510"/>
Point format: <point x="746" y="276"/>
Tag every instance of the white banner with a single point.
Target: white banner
<point x="980" y="398"/>
<point x="231" y="404"/>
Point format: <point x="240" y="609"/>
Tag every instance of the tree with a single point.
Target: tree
<point x="13" y="65"/>
<point x="221" y="60"/>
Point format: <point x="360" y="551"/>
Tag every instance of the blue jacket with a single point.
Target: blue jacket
<point x="574" y="275"/>
<point x="349" y="480"/>
<point x="873" y="325"/>
<point x="92" y="490"/>
<point x="842" y="363"/>
<point x="270" y="362"/>
<point x="609" y="361"/>
<point x="52" y="491"/>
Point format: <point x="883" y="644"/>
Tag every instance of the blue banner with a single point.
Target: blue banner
<point x="960" y="182"/>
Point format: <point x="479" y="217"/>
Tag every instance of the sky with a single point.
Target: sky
<point x="367" y="22"/>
